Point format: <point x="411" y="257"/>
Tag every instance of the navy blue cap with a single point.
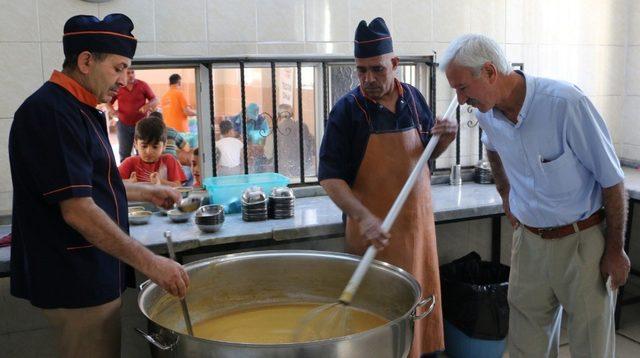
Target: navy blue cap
<point x="372" y="40"/>
<point x="88" y="33"/>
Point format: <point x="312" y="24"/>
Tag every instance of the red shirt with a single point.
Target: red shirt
<point x="173" y="171"/>
<point x="129" y="102"/>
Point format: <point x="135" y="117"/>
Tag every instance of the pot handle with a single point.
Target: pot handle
<point x="152" y="338"/>
<point x="432" y="299"/>
<point x="144" y="285"/>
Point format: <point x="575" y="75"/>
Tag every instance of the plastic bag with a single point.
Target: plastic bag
<point x="474" y="296"/>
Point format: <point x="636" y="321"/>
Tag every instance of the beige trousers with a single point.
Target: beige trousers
<point x="548" y="276"/>
<point x="87" y="332"/>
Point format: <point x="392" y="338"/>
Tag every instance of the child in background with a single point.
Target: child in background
<point x="150" y="165"/>
<point x="228" y="150"/>
<point x="195" y="168"/>
<point x="177" y="146"/>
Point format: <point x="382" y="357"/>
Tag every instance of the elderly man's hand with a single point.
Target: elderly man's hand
<point x="371" y="230"/>
<point x="169" y="275"/>
<point x="445" y="127"/>
<point x="161" y="195"/>
<point x="615" y="263"/>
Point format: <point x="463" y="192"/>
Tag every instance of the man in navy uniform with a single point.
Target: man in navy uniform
<point x="374" y="137"/>
<point x="70" y="229"/>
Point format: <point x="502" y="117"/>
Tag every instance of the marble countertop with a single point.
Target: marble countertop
<point x="315" y="217"/>
<point x="632" y="182"/>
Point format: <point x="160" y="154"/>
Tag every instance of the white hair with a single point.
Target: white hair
<point x="473" y="51"/>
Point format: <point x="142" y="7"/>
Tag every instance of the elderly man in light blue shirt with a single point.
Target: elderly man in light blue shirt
<point x="555" y="168"/>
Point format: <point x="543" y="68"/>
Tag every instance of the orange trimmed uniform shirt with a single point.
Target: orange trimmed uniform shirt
<point x="59" y="149"/>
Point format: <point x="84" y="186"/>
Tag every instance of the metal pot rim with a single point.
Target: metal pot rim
<point x="148" y="285"/>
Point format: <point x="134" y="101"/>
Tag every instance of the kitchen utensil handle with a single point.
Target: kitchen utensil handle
<point x="432" y="299"/>
<point x="370" y="254"/>
<point x="183" y="302"/>
<point x="152" y="338"/>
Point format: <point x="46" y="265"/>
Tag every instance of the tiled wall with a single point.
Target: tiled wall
<point x="583" y="41"/>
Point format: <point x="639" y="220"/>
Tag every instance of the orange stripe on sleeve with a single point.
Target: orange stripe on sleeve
<point x="65" y="188"/>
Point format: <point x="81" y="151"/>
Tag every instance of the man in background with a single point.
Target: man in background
<point x="175" y="107"/>
<point x="135" y="101"/>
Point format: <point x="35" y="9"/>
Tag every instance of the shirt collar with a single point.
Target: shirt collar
<point x="528" y="96"/>
<point x="73" y="87"/>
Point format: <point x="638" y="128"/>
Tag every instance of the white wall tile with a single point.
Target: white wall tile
<point x="6" y="197"/>
<point x="329" y="48"/>
<point x="232" y="49"/>
<point x="282" y="20"/>
<point x="521" y="22"/>
<point x="603" y="22"/>
<point x="181" y="20"/>
<point x="488" y="18"/>
<point x="631" y="151"/>
<point x="22" y="74"/>
<point x="633" y="70"/>
<point x="145" y="49"/>
<point x="611" y="109"/>
<point x="5" y="175"/>
<point x="451" y="18"/>
<point x="413" y="20"/>
<point x="140" y="12"/>
<point x="227" y="24"/>
<point x="327" y="20"/>
<point x="633" y="34"/>
<point x="52" y="15"/>
<point x="610" y="68"/>
<point x="281" y="48"/>
<point x="526" y="54"/>
<point x="18" y="21"/>
<point x="413" y="48"/>
<point x="182" y="49"/>
<point x="368" y="10"/>
<point x="555" y="22"/>
<point x="52" y="58"/>
<point x="631" y="121"/>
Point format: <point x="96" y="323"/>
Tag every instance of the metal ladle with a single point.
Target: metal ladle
<point x="183" y="301"/>
<point x="188" y="205"/>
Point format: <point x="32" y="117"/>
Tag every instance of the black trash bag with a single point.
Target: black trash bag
<point x="474" y="296"/>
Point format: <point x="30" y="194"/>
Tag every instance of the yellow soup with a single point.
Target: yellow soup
<point x="287" y="323"/>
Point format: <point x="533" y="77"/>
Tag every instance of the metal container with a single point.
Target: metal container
<point x="229" y="282"/>
<point x="455" y="178"/>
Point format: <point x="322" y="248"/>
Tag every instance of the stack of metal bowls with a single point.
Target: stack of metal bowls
<point x="281" y="203"/>
<point x="209" y="218"/>
<point x="254" y="204"/>
<point x="482" y="172"/>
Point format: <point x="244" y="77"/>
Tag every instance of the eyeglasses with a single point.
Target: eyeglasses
<point x="282" y="114"/>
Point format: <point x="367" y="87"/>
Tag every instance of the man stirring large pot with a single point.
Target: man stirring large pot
<point x="374" y="136"/>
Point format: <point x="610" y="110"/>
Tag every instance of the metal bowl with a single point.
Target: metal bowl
<point x="209" y="228"/>
<point x="253" y="194"/>
<point x="178" y="216"/>
<point x="139" y="217"/>
<point x="184" y="190"/>
<point x="282" y="192"/>
<point x="210" y="210"/>
<point x="133" y="209"/>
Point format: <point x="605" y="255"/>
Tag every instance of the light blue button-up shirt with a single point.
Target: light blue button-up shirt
<point x="558" y="156"/>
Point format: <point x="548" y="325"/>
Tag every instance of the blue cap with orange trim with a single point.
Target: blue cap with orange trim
<point x="88" y="33"/>
<point x="372" y="40"/>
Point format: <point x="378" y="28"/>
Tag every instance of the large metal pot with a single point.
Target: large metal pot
<point x="228" y="282"/>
